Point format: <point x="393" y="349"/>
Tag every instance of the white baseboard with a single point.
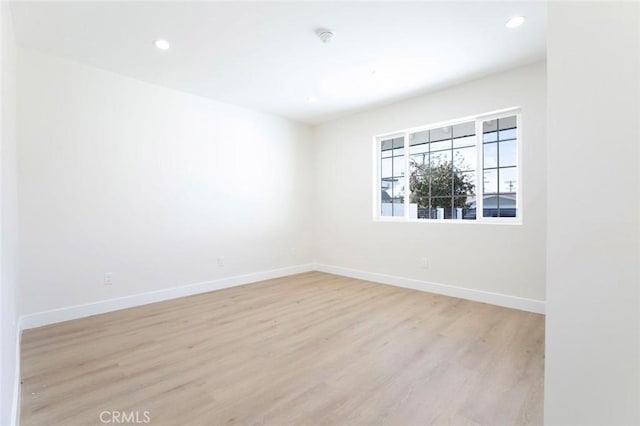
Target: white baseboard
<point x="80" y="311"/>
<point x="514" y="302"/>
<point x="17" y="388"/>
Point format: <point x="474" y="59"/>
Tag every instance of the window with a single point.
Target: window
<point x="392" y="172"/>
<point x="466" y="170"/>
<point x="500" y="177"/>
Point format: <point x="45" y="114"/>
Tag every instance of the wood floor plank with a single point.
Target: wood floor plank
<point x="310" y="349"/>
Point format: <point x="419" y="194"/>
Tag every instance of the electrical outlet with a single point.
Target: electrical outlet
<point x="221" y="261"/>
<point x="108" y="278"/>
<point x="424" y="263"/>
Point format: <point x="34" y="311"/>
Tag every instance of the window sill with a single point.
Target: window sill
<point x="486" y="221"/>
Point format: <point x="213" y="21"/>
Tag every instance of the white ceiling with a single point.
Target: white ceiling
<point x="266" y="56"/>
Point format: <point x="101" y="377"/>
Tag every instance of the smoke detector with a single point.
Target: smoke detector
<point x="325" y="35"/>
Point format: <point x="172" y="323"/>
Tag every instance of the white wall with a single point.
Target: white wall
<point x="9" y="221"/>
<point x="153" y="185"/>
<point x="593" y="328"/>
<point x="507" y="259"/>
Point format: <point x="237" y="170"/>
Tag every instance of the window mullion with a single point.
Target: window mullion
<point x="479" y="171"/>
<point x="407" y="190"/>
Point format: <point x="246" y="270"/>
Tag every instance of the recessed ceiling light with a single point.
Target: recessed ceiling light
<point x="312" y="99"/>
<point x="514" y="22"/>
<point x="162" y="44"/>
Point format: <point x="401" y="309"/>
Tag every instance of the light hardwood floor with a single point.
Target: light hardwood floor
<point x="310" y="349"/>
